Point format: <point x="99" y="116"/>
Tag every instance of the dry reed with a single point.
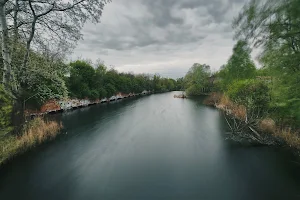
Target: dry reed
<point x="35" y="133"/>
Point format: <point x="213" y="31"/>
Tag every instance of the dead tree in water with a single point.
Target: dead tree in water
<point x="245" y="130"/>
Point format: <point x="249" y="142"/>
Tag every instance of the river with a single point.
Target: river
<point x="154" y="147"/>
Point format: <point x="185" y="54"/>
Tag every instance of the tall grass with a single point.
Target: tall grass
<point x="35" y="132"/>
<point x="222" y="102"/>
<point x="292" y="139"/>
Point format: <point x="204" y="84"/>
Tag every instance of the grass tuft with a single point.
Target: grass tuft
<point x="35" y="133"/>
<point x="292" y="139"/>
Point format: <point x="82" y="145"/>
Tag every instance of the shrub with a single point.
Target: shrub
<point x="194" y="90"/>
<point x="213" y="99"/>
<point x="250" y="93"/>
<point x="267" y="125"/>
<point x="94" y="95"/>
<point x="5" y="110"/>
<point x="292" y="139"/>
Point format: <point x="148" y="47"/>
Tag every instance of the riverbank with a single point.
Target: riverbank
<point x="261" y="130"/>
<point x="110" y="149"/>
<point x="34" y="133"/>
<point x="56" y="106"/>
<point x="38" y="130"/>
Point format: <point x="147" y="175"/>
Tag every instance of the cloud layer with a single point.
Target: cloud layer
<point x="161" y="36"/>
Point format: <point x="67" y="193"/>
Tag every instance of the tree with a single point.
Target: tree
<point x="275" y="27"/>
<point x="44" y="79"/>
<point x="197" y="78"/>
<point x="239" y="66"/>
<point x="180" y="84"/>
<point x="40" y="21"/>
<point x="81" y="80"/>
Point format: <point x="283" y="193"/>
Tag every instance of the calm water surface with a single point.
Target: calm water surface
<point x="154" y="147"/>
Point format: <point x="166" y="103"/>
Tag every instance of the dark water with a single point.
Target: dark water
<point x="154" y="147"/>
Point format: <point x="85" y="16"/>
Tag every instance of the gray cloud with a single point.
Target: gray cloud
<point x="161" y="35"/>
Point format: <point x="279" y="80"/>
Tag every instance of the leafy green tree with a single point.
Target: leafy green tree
<point x="110" y="89"/>
<point x="85" y="81"/>
<point x="44" y="79"/>
<point x="274" y="26"/>
<point x="196" y="79"/>
<point x="81" y="80"/>
<point x="179" y="84"/>
<point x="239" y="66"/>
<point x="254" y="94"/>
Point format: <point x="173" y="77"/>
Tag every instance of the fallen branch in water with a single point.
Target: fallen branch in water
<point x="182" y="96"/>
<point x="242" y="131"/>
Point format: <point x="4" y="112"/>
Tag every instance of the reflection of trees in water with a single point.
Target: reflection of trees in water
<point x="75" y="111"/>
<point x="116" y="101"/>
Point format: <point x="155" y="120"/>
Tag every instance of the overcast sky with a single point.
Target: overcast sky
<point x="161" y="36"/>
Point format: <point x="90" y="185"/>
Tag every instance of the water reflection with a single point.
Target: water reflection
<point x="154" y="147"/>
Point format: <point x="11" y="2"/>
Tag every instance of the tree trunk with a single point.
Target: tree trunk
<point x="8" y="77"/>
<point x="5" y="48"/>
<point x="16" y="29"/>
<point x="17" y="116"/>
<point x="27" y="53"/>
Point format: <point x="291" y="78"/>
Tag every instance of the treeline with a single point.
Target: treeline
<point x="273" y="89"/>
<point x="36" y="38"/>
<point x="86" y="81"/>
<point x="268" y="94"/>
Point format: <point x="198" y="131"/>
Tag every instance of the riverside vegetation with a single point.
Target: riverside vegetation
<point x="35" y="42"/>
<point x="36" y="38"/>
<point x="261" y="104"/>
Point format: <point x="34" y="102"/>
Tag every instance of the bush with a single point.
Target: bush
<point x="194" y="90"/>
<point x="287" y="113"/>
<point x="102" y="93"/>
<point x="213" y="99"/>
<point x="250" y="93"/>
<point x="94" y="95"/>
<point x="5" y="110"/>
<point x="267" y="125"/>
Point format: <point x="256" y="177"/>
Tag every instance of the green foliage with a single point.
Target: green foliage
<point x="85" y="81"/>
<point x="274" y="25"/>
<point x="196" y="79"/>
<point x="194" y="90"/>
<point x="252" y="93"/>
<point x="43" y="79"/>
<point x="5" y="111"/>
<point x="81" y="79"/>
<point x="179" y="85"/>
<point x="239" y="66"/>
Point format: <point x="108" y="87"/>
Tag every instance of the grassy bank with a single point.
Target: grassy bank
<point x="34" y="133"/>
<point x="264" y="125"/>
